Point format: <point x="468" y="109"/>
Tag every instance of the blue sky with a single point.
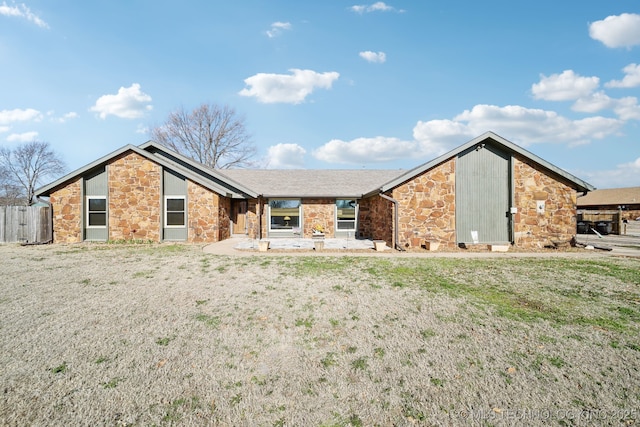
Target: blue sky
<point x="331" y="83"/>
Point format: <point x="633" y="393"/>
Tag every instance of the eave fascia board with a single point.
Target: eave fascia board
<point x="579" y="184"/>
<point x="81" y="171"/>
<point x="241" y="189"/>
<point x="164" y="162"/>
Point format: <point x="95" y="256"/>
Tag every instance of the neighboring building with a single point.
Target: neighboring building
<point x="487" y="191"/>
<point x="625" y="200"/>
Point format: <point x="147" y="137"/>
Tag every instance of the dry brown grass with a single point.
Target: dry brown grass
<point x="167" y="335"/>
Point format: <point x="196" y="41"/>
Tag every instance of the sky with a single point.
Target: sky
<point x="331" y="84"/>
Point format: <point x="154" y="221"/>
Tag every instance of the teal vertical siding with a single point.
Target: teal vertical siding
<point x="483" y="189"/>
<point x="174" y="185"/>
<point x="96" y="184"/>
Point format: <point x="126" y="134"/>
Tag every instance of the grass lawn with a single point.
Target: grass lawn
<point x="168" y="335"/>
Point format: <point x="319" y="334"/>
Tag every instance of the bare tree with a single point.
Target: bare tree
<point x="212" y="135"/>
<point x="9" y="192"/>
<point x="24" y="167"/>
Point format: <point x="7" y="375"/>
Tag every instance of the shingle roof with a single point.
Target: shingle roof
<point x="491" y="137"/>
<point x="611" y="196"/>
<point x="206" y="181"/>
<point x="312" y="183"/>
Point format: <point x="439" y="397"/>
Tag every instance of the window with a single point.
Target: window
<point x="284" y="214"/>
<point x="96" y="211"/>
<point x="346" y="214"/>
<point x="174" y="211"/>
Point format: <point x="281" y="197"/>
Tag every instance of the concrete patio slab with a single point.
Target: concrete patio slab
<point x="302" y="244"/>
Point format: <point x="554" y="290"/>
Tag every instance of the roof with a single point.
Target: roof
<point x="611" y="196"/>
<point x="334" y="183"/>
<point x="352" y="183"/>
<point x="496" y="140"/>
<point x="196" y="175"/>
<point x="160" y="150"/>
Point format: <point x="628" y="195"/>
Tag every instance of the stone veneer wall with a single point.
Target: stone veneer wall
<point x="558" y="221"/>
<point x="202" y="214"/>
<point x="320" y="212"/>
<point x="427" y="207"/>
<point x="134" y="198"/>
<point x="224" y="218"/>
<point x="375" y="219"/>
<point x="253" y="208"/>
<point x="67" y="213"/>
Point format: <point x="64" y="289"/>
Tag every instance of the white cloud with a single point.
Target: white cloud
<point x="18" y="115"/>
<point x="627" y="108"/>
<point x="4" y="129"/>
<point x="617" y="30"/>
<point x="375" y="7"/>
<point x="529" y="126"/>
<point x="370" y="56"/>
<point x="64" y="118"/>
<point x="623" y="175"/>
<point x="286" y="156"/>
<point x="22" y="137"/>
<point x="22" y="11"/>
<point x="432" y="138"/>
<point x="366" y="150"/>
<point x="291" y="89"/>
<point x="631" y="78"/>
<point x="563" y="87"/>
<point x="128" y="103"/>
<point x="593" y="103"/>
<point x="439" y="136"/>
<point x="277" y="28"/>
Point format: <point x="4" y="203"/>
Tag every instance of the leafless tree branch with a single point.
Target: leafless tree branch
<point x="23" y="168"/>
<point x="212" y="135"/>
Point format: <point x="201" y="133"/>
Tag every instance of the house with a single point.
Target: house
<point x="626" y="200"/>
<point x="487" y="191"/>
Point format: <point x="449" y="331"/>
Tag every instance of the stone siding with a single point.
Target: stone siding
<point x="427" y="208"/>
<point x="253" y="209"/>
<point x="375" y="219"/>
<point x="557" y="222"/>
<point x="134" y="198"/>
<point x="67" y="213"/>
<point x="202" y="215"/>
<point x="224" y="218"/>
<point x="318" y="212"/>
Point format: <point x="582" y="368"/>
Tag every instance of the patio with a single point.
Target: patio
<point x="304" y="244"/>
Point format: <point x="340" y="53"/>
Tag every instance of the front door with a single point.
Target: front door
<point x="239" y="217"/>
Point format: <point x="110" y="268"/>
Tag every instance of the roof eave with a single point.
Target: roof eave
<point x="227" y="192"/>
<point x="45" y="190"/>
<point x="203" y="168"/>
<point x="578" y="184"/>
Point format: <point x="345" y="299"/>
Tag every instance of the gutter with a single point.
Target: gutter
<point x="396" y="221"/>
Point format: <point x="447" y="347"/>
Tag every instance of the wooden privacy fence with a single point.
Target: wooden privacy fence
<point x="25" y="224"/>
<point x="605" y="222"/>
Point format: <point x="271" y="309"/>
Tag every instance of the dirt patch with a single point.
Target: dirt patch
<point x="166" y="334"/>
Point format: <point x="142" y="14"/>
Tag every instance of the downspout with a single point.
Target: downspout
<point x="260" y="217"/>
<point x="396" y="221"/>
<point x="584" y="193"/>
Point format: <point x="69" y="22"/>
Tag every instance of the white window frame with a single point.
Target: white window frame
<point x="285" y="230"/>
<point x="355" y="219"/>
<point x="106" y="212"/>
<point x="166" y="199"/>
